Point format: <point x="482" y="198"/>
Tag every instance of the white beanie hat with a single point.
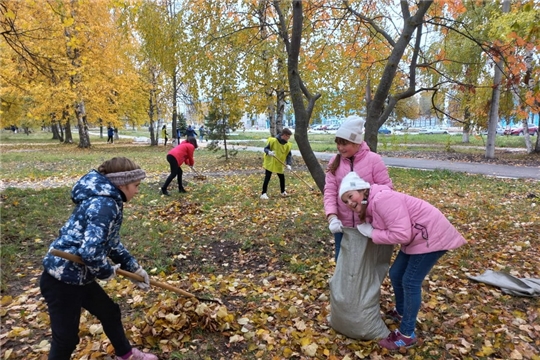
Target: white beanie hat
<point x="352" y="129"/>
<point x="352" y="181"/>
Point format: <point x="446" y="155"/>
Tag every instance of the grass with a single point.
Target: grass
<point x="220" y="239"/>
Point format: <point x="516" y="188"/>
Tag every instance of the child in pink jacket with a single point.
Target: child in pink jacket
<point x="389" y="217"/>
<point x="353" y="155"/>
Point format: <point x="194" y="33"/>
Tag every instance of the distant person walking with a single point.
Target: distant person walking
<point x="110" y="134"/>
<point x="164" y="134"/>
<point x="178" y="136"/>
<point x="190" y="132"/>
<point x="277" y="152"/>
<point x="177" y="156"/>
<point x="202" y="132"/>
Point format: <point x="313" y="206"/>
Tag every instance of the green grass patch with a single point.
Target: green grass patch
<point x="271" y="260"/>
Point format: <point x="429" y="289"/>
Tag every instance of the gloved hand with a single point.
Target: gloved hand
<point x="271" y="153"/>
<point x="365" y="229"/>
<point x="335" y="225"/>
<point x="145" y="285"/>
<point x="289" y="167"/>
<point x="115" y="267"/>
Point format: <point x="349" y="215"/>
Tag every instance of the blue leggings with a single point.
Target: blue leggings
<point x="337" y="244"/>
<point x="407" y="273"/>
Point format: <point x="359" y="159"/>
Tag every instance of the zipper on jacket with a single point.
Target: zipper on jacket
<point x="351" y="159"/>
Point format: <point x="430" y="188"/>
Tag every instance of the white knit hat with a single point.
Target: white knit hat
<point x="352" y="181"/>
<point x="352" y="129"/>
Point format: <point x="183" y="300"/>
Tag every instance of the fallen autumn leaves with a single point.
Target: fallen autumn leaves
<point x="270" y="264"/>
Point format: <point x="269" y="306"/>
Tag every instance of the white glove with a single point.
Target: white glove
<point x="335" y="225"/>
<point x="289" y="167"/>
<point x="365" y="229"/>
<point x="114" y="268"/>
<point x="145" y="285"/>
<point x="271" y="153"/>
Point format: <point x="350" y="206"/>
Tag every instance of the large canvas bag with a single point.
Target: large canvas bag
<point x="355" y="287"/>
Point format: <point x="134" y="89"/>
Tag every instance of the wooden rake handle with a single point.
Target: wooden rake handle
<point x="295" y="174"/>
<point x="78" y="259"/>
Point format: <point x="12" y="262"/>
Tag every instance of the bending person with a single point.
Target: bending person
<point x="177" y="156"/>
<point x="424" y="233"/>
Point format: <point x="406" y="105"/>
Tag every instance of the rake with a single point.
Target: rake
<point x="78" y="259"/>
<point x="198" y="175"/>
<point x="295" y="174"/>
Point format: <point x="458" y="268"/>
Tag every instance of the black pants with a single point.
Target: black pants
<point x="110" y="139"/>
<point x="65" y="302"/>
<point x="267" y="177"/>
<point x="176" y="171"/>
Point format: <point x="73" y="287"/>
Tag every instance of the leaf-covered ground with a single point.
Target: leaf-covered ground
<point x="270" y="262"/>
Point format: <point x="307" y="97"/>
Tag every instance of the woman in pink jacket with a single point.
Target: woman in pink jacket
<point x="183" y="153"/>
<point x="389" y="217"/>
<point x="354" y="155"/>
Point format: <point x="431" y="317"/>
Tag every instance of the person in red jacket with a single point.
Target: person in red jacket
<point x="179" y="155"/>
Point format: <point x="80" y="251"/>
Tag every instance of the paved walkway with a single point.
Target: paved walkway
<point x="502" y="171"/>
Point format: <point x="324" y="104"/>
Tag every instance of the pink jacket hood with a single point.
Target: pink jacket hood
<point x="368" y="165"/>
<point x="417" y="225"/>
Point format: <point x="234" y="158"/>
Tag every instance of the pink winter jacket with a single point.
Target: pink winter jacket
<point x="369" y="166"/>
<point x="417" y="225"/>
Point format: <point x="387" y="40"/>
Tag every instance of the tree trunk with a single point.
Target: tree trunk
<point x="54" y="128"/>
<point x="298" y="91"/>
<point x="280" y="113"/>
<point x="67" y="130"/>
<point x="381" y="106"/>
<point x="84" y="137"/>
<point x="466" y="126"/>
<point x="537" y="143"/>
<point x="271" y="114"/>
<point x="493" y="117"/>
<point x="174" y="110"/>
<point x="153" y="140"/>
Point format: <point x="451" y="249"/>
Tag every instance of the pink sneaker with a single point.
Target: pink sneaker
<point x="396" y="340"/>
<point x="137" y="354"/>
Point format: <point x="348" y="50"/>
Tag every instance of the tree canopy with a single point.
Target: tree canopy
<point x="120" y="61"/>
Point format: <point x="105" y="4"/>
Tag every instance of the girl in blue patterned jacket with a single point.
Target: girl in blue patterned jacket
<point x="93" y="233"/>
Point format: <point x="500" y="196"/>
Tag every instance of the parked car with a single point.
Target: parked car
<point x="533" y="130"/>
<point x="333" y="127"/>
<point x="385" y="131"/>
<point x="500" y="131"/>
<point x="433" y="130"/>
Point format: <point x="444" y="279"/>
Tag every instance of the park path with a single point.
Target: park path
<point x="500" y="171"/>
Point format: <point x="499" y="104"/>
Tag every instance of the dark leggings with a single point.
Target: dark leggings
<point x="65" y="302"/>
<point x="267" y="177"/>
<point x="175" y="171"/>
